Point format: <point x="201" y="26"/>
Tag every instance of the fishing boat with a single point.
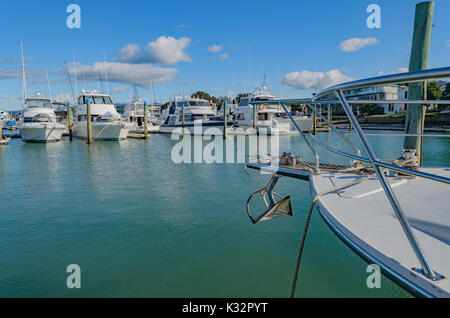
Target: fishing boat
<point x="394" y="214"/>
<point x="39" y="122"/>
<point x="107" y="124"/>
<point x="268" y="116"/>
<point x="192" y="116"/>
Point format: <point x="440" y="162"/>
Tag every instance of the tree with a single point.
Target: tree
<point x="204" y="95"/>
<point x="445" y="96"/>
<point x="237" y="100"/>
<point x="434" y="92"/>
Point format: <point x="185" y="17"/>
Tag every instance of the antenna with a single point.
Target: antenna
<point x="24" y="82"/>
<point x="75" y="70"/>
<point x="106" y="72"/>
<point x="49" y="89"/>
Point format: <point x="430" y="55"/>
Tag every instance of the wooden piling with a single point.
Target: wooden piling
<point x="145" y="121"/>
<point x="89" y="122"/>
<point x="69" y="120"/>
<point x="420" y="51"/>
<point x="225" y="119"/>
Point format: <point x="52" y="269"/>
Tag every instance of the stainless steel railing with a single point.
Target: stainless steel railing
<point x="338" y="90"/>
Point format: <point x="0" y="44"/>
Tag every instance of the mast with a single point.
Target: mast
<point x="75" y="70"/>
<point x="420" y="51"/>
<point x="24" y="83"/>
<point x="49" y="88"/>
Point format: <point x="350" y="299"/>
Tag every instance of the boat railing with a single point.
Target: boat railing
<point x="378" y="165"/>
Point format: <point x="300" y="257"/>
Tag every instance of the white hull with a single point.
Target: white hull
<point x="41" y="133"/>
<point x="204" y="130"/>
<point x="101" y="131"/>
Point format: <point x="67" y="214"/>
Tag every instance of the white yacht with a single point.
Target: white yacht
<point x="39" y="122"/>
<point x="199" y="118"/>
<point x="107" y="124"/>
<point x="269" y="116"/>
<point x="134" y="116"/>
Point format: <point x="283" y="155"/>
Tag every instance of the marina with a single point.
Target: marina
<point x="242" y="168"/>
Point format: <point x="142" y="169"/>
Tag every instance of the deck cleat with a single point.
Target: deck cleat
<point x="274" y="209"/>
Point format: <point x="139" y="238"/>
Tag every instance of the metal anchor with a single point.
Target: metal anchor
<point x="274" y="209"/>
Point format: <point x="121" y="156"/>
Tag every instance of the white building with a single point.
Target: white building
<point x="3" y="115"/>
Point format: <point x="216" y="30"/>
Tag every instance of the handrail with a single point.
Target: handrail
<point x="401" y="78"/>
<point x="426" y="267"/>
<point x="358" y="152"/>
<point x="338" y="90"/>
<point x="304" y="137"/>
<point x="410" y="172"/>
<point x="308" y="101"/>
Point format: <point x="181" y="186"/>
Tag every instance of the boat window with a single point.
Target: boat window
<point x="98" y="100"/>
<point x="192" y="103"/>
<point x="262" y="116"/>
<point x="41" y="103"/>
<point x="182" y="104"/>
<point x="204" y="104"/>
<point x="188" y="118"/>
<point x="108" y="100"/>
<point x="172" y="120"/>
<point x="81" y="100"/>
<point x="243" y="102"/>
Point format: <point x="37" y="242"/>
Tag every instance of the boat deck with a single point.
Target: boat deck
<point x="363" y="218"/>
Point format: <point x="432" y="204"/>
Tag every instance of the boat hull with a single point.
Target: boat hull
<point x="206" y="129"/>
<point x="41" y="134"/>
<point x="101" y="131"/>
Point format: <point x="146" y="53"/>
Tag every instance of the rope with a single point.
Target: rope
<point x="308" y="219"/>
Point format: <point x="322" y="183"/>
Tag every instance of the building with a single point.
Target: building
<point x="4" y="115"/>
<point x="384" y="92"/>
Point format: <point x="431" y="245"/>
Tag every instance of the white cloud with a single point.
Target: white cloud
<point x="215" y="48"/>
<point x="398" y="70"/>
<point x="224" y="56"/>
<point x="447" y="43"/>
<point x="402" y="70"/>
<point x="314" y="80"/>
<point x="120" y="89"/>
<point x="355" y="44"/>
<point x="165" y="50"/>
<point x="130" y="74"/>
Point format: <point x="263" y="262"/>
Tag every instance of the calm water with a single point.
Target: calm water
<point x="141" y="226"/>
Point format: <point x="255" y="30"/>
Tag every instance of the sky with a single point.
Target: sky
<point x="221" y="47"/>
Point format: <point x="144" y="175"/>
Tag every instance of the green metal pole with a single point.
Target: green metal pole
<point x="225" y="119"/>
<point x="415" y="115"/>
<point x="89" y="122"/>
<point x="329" y="117"/>
<point x="314" y="121"/>
<point x="145" y="121"/>
<point x="254" y="116"/>
<point x="69" y="120"/>
<point x="12" y="124"/>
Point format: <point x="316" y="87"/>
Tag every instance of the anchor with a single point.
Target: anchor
<point x="274" y="209"/>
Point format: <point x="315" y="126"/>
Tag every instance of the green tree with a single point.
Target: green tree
<point x="204" y="95"/>
<point x="434" y="92"/>
<point x="237" y="100"/>
<point x="445" y="96"/>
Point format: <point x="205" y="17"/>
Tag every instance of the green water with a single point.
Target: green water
<point x="139" y="225"/>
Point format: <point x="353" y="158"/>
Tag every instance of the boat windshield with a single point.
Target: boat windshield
<point x="40" y="103"/>
<point x="98" y="100"/>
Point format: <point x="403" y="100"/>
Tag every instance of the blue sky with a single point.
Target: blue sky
<point x="297" y="43"/>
